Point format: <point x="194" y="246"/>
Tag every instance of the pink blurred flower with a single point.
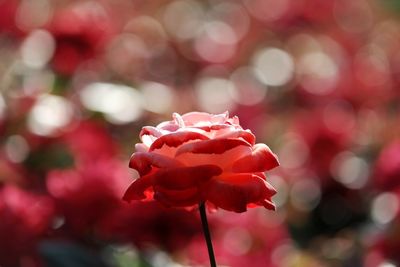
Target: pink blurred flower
<point x="149" y="224"/>
<point x="85" y="142"/>
<point x="25" y="217"/>
<point x="90" y="141"/>
<point x="8" y="11"/>
<point x="249" y="240"/>
<point x="387" y="168"/>
<point x="385" y="248"/>
<point x="326" y="133"/>
<point x="86" y="195"/>
<point x="81" y="31"/>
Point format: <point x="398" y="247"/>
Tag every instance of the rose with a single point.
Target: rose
<point x="200" y="157"/>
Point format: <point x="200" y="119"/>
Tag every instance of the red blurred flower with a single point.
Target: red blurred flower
<point x="250" y="240"/>
<point x="202" y="157"/>
<point x="90" y="141"/>
<point x="149" y="225"/>
<point x="326" y="132"/>
<point x="387" y="170"/>
<point x="84" y="196"/>
<point x="86" y="143"/>
<point x="81" y="32"/>
<point x="8" y="11"/>
<point x="25" y="217"/>
<point x="385" y="247"/>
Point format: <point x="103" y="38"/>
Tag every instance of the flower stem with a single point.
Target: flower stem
<point x="207" y="236"/>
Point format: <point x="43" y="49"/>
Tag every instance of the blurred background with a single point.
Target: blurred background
<point x="316" y="80"/>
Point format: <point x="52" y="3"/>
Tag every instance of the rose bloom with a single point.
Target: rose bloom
<point x="201" y="157"/>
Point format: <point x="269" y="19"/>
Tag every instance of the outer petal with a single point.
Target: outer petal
<point x="245" y="134"/>
<point x="136" y="190"/>
<point x="149" y="134"/>
<point x="234" y="121"/>
<point x="177" y="198"/>
<point x="267" y="203"/>
<point x="261" y="159"/>
<point x="150" y="130"/>
<point x="176" y="139"/>
<point x="234" y="192"/>
<point x="213" y="146"/>
<point x="143" y="162"/>
<point x="140" y="147"/>
<point x="185" y="177"/>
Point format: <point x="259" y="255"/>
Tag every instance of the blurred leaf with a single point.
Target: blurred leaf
<point x="61" y="84"/>
<point x="392" y="5"/>
<point x="63" y="254"/>
<point x="128" y="257"/>
<point x="53" y="157"/>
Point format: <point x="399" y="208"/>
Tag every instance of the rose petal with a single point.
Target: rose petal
<point x="220" y="118"/>
<point x="213" y="146"/>
<point x="136" y="190"/>
<point x="261" y="159"/>
<point x="139" y="147"/>
<point x="169" y="126"/>
<point x="226" y="131"/>
<point x="176" y="139"/>
<point x="143" y="162"/>
<point x="150" y="130"/>
<point x="234" y="121"/>
<point x="185" y="177"/>
<point x="268" y="204"/>
<point x="215" y="127"/>
<point x="234" y="192"/>
<point x="195" y="117"/>
<point x="223" y="160"/>
<point x="177" y="198"/>
<point x="148" y="140"/>
<point x="246" y="135"/>
<point x="149" y="134"/>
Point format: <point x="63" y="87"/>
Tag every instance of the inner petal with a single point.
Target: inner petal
<point x="223" y="160"/>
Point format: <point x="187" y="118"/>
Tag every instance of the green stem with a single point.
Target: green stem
<point x="207" y="236"/>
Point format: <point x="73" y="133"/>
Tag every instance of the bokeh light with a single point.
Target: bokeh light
<point x="49" y="114"/>
<point x="273" y="66"/>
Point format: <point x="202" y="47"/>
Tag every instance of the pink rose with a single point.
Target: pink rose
<point x="200" y="157"/>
